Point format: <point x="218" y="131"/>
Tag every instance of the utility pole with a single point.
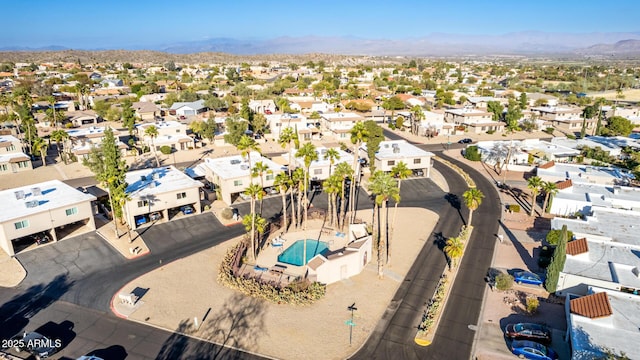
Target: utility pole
<point x="350" y="322"/>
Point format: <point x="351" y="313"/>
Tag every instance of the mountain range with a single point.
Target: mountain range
<point x="527" y="43"/>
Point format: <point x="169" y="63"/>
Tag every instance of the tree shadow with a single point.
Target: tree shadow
<point x="528" y="260"/>
<point x="115" y="352"/>
<point x="236" y="325"/>
<point x="16" y="313"/>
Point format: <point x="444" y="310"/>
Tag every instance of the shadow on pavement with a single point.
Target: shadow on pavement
<point x="115" y="352"/>
<point x="15" y="313"/>
<point x="235" y="324"/>
<point x="528" y="260"/>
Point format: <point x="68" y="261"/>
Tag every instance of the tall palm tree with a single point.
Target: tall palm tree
<point x="283" y="183"/>
<point x="259" y="169"/>
<point x="309" y="154"/>
<point x="297" y="177"/>
<point x="550" y="189"/>
<point x="246" y="145"/>
<point x="253" y="191"/>
<point x="401" y="172"/>
<point x="534" y="184"/>
<point x="40" y="146"/>
<point x="454" y="248"/>
<point x="332" y="186"/>
<point x="287" y="136"/>
<point x="52" y="102"/>
<point x="384" y="187"/>
<point x="359" y="134"/>
<point x="418" y="115"/>
<point x="152" y="132"/>
<point x="254" y="222"/>
<point x="472" y="200"/>
<point x="345" y="172"/>
<point x="59" y="136"/>
<point x="332" y="155"/>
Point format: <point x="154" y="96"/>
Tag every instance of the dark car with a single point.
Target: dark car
<point x="532" y="350"/>
<point x="465" y="141"/>
<point x="187" y="209"/>
<point x="528" y="331"/>
<point x="36" y="344"/>
<point x="526" y="277"/>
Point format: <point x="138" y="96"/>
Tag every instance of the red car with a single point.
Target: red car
<point x="268" y="112"/>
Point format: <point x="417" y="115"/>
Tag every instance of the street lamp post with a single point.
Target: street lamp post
<point x="448" y="141"/>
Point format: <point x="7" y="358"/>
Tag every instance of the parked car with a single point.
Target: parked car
<point x="526" y="277"/>
<point x="418" y="172"/>
<point x="528" y="331"/>
<point x="187" y="209"/>
<point x="465" y="141"/>
<point x="268" y="112"/>
<point x="36" y="344"/>
<point x="526" y="349"/>
<point x="155" y="216"/>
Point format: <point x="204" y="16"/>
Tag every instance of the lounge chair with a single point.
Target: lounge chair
<point x="260" y="268"/>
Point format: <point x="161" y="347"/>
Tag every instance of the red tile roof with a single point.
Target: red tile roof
<point x="577" y="247"/>
<point x="561" y="185"/>
<point x="547" y="165"/>
<point x="592" y="306"/>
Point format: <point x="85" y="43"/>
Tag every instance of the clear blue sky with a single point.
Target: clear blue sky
<point x="121" y="24"/>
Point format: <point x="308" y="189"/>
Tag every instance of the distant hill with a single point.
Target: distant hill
<point x="622" y="47"/>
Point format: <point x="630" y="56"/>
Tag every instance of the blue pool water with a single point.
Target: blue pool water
<point x="293" y="254"/>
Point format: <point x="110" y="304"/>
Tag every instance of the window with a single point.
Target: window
<point x="237" y="183"/>
<point x="72" y="211"/>
<point x="3" y="167"/>
<point x="143" y="203"/>
<point x="317" y="171"/>
<point x="181" y="195"/>
<point x="23" y="164"/>
<point x="177" y="131"/>
<point x="391" y="162"/>
<point x="11" y="148"/>
<point x="21" y="224"/>
<point x="417" y="161"/>
<point x="269" y="177"/>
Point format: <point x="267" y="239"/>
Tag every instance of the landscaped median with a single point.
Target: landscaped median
<point x="435" y="306"/>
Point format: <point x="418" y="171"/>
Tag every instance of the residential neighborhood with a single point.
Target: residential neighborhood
<point x="297" y="197"/>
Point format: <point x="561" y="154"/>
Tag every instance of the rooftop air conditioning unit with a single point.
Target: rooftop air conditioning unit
<point x="244" y="167"/>
<point x="36" y="191"/>
<point x="19" y="194"/>
<point x="396" y="150"/>
<point x="32" y="203"/>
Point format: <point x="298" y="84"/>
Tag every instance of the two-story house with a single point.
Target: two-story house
<point x="338" y="125"/>
<point x="12" y="159"/>
<point x="159" y="194"/>
<point x="391" y="153"/>
<point x="82" y="140"/>
<point x="475" y="120"/>
<point x="170" y="133"/>
<point x="232" y="174"/>
<point x="321" y="169"/>
<point x="565" y="119"/>
<point x="299" y="123"/>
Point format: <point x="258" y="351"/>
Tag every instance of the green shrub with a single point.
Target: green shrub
<point x="491" y="131"/>
<point x="571" y="136"/>
<point x="514" y="208"/>
<point x="532" y="305"/>
<point x="165" y="149"/>
<point x="471" y="153"/>
<point x="553" y="236"/>
<point x="549" y="130"/>
<point x="504" y="282"/>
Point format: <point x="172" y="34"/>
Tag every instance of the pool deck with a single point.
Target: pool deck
<point x="268" y="256"/>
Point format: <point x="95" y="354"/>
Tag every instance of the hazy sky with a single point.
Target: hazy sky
<point x="115" y="23"/>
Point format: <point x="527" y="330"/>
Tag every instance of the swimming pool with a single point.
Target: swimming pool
<point x="293" y="254"/>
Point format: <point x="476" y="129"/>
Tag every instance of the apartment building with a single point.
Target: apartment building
<point x="170" y="133"/>
<point x="12" y="159"/>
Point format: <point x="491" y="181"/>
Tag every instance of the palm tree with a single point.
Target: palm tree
<point x="472" y="199"/>
<point x="383" y="186"/>
<point x="550" y="189"/>
<point x="286" y="137"/>
<point x="40" y="146"/>
<point x="332" y="155"/>
<point x="259" y="170"/>
<point x="332" y="186"/>
<point x="359" y="134"/>
<point x="283" y="183"/>
<point x="297" y="177"/>
<point x="246" y="145"/>
<point x="401" y="172"/>
<point x="453" y="248"/>
<point x="345" y="172"/>
<point x="309" y="154"/>
<point x="52" y="102"/>
<point x="534" y="184"/>
<point x="58" y="136"/>
<point x="152" y="132"/>
<point x="418" y="115"/>
<point x="254" y="191"/>
<point x="256" y="222"/>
